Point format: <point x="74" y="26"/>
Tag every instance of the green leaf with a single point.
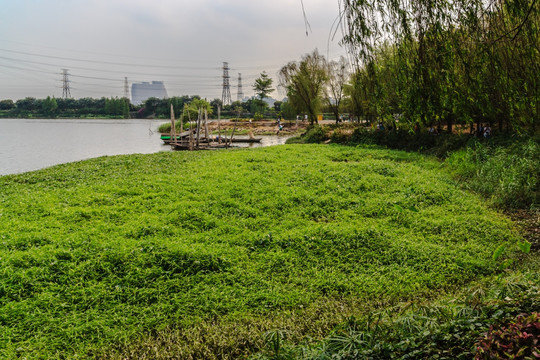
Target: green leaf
<point x="506" y="264"/>
<point x="498" y="252"/>
<point x="525" y="246"/>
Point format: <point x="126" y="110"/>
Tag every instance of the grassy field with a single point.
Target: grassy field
<point x="195" y="254"/>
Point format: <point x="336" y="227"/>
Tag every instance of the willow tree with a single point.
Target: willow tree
<point x="460" y="60"/>
<point x="338" y="75"/>
<point x="304" y="82"/>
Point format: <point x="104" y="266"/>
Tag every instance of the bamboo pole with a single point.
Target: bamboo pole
<point x="219" y="123"/>
<point x="198" y="128"/>
<point x="182" y="123"/>
<point x="206" y="132"/>
<point x="173" y="126"/>
<point x="190" y="132"/>
<point x="234" y="128"/>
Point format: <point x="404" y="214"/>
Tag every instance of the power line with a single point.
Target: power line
<point x="110" y="62"/>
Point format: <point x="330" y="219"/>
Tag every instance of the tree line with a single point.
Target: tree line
<point x="428" y="63"/>
<point x="52" y="107"/>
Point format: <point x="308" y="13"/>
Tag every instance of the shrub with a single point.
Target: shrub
<point x="518" y="340"/>
<point x="508" y="174"/>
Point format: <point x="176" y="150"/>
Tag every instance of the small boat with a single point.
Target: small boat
<point x="166" y="137"/>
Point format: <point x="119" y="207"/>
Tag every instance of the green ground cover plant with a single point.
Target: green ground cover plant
<point x="485" y="320"/>
<point x="102" y="257"/>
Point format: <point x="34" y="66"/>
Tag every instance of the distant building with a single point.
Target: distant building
<point x="142" y="91"/>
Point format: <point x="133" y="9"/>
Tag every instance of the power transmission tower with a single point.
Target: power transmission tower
<point x="66" y="93"/>
<point x="126" y="88"/>
<point x="240" y="95"/>
<point x="226" y="94"/>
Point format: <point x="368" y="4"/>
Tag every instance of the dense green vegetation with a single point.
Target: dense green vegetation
<point x="489" y="319"/>
<point x="122" y="108"/>
<point x="448" y="62"/>
<point x="113" y="256"/>
<point x="66" y="107"/>
<point x="504" y="169"/>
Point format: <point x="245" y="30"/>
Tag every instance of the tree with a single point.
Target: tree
<point x="304" y="82"/>
<point x="28" y="104"/>
<point x="287" y="110"/>
<point x="49" y="106"/>
<point x="263" y="88"/>
<point x="337" y="77"/>
<point x="7" y="104"/>
<point x="449" y="61"/>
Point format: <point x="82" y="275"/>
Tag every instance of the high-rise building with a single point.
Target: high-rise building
<point x="142" y="91"/>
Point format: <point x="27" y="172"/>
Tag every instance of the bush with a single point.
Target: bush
<point x="518" y="340"/>
<point x="166" y="127"/>
<point x="313" y="135"/>
<point x="508" y="174"/>
<point x="438" y="145"/>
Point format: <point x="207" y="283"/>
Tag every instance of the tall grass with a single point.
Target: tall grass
<point x="123" y="255"/>
<point x="508" y="175"/>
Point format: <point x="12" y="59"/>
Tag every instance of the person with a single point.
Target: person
<point x="480" y="130"/>
<point x="305" y="117"/>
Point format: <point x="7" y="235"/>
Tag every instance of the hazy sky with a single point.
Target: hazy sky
<point x="180" y="42"/>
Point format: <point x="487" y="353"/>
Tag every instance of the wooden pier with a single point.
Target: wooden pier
<point x="192" y="139"/>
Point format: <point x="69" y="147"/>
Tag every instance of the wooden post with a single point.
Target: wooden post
<point x="190" y="132"/>
<point x="173" y="126"/>
<point x="234" y="128"/>
<point x="182" y="124"/>
<point x="206" y="132"/>
<point x="198" y="128"/>
<point x="219" y="123"/>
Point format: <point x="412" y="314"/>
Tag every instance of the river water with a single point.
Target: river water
<point x="32" y="144"/>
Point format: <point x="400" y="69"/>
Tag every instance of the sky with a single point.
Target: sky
<point x="180" y="42"/>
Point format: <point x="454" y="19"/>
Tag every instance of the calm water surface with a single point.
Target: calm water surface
<point x="32" y="144"/>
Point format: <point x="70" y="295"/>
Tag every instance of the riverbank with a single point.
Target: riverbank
<point x="196" y="255"/>
<point x="288" y="128"/>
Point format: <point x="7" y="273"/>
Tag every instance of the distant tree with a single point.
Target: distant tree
<point x="28" y="104"/>
<point x="263" y="88"/>
<point x="337" y="78"/>
<point x="125" y="108"/>
<point x="305" y="82"/>
<point x="215" y="104"/>
<point x="49" y="106"/>
<point x="287" y="110"/>
<point x="7" y="104"/>
<point x="66" y="104"/>
<point x="277" y="105"/>
<point x="193" y="109"/>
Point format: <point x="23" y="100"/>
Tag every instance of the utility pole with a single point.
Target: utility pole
<point x="240" y="95"/>
<point x="226" y="94"/>
<point x="126" y="88"/>
<point x="66" y="93"/>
